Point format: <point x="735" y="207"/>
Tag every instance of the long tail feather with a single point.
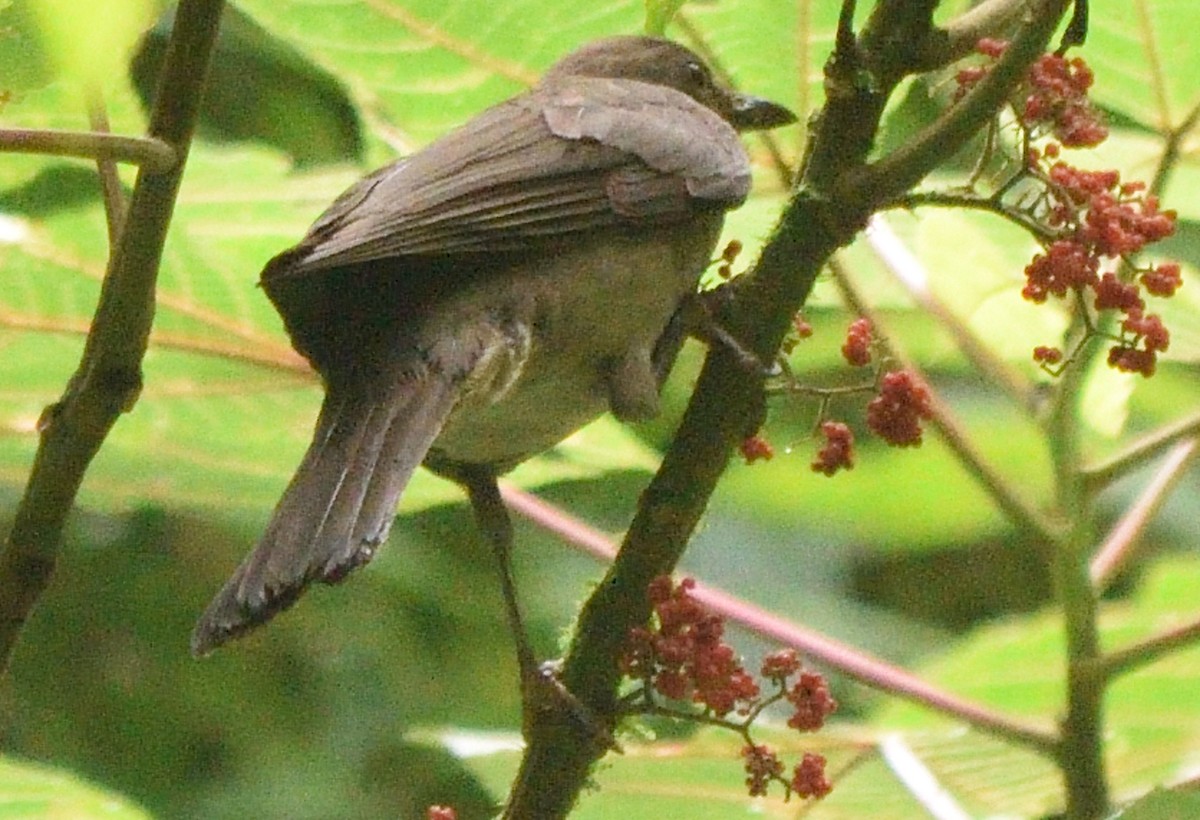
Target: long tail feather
<point x="339" y="505"/>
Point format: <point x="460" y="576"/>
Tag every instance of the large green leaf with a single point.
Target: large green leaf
<point x="1152" y="716"/>
<point x="30" y="791"/>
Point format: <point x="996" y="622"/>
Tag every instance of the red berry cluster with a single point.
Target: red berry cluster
<point x="755" y="448"/>
<point x="1056" y="96"/>
<point x="895" y="414"/>
<point x="1097" y="220"/>
<point x="441" y="813"/>
<point x="684" y="657"/>
<point x="808" y="778"/>
<point x="1104" y="221"/>
<point x="838" y="452"/>
<point x="857" y="347"/>
<point x="1058" y="103"/>
<point x="812" y="702"/>
<point x="763" y="766"/>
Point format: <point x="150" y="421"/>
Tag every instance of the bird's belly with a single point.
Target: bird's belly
<point x="581" y="312"/>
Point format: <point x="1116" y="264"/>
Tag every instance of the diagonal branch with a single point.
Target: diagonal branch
<point x="109" y="376"/>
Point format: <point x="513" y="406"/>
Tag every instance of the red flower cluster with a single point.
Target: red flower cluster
<point x="1057" y="101"/>
<point x="755" y="448"/>
<point x="684" y="657"/>
<point x="1098" y="221"/>
<point x="808" y="778"/>
<point x="838" y="452"/>
<point x="857" y="348"/>
<point x="895" y="414"/>
<point x="812" y="700"/>
<point x="1064" y="266"/>
<point x="762" y="766"/>
<point x="969" y="77"/>
<point x="1056" y="96"/>
<point x="1163" y="280"/>
<point x="1105" y="219"/>
<point x="801" y="330"/>
<point x="1142" y="339"/>
<point x="780" y="665"/>
<point x="801" y="326"/>
<point x="1048" y="356"/>
<point x="441" y="813"/>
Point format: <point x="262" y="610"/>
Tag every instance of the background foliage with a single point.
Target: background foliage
<point x="345" y="706"/>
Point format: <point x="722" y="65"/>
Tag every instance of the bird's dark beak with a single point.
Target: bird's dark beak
<point x="756" y="114"/>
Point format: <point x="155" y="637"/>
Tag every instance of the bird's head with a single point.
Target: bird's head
<point x="663" y="62"/>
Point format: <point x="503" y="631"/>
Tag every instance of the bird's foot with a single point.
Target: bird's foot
<point x="703" y="323"/>
<point x="546" y="702"/>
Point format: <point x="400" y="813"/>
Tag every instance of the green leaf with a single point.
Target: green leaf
<point x="261" y="88"/>
<point x="90" y="42"/>
<point x="1144" y="57"/>
<point x="24" y="63"/>
<point x="1161" y="804"/>
<point x="1016" y="667"/>
<point x="30" y="791"/>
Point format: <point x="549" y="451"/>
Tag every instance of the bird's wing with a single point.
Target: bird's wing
<point x="576" y="155"/>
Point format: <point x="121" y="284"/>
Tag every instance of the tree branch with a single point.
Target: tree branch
<point x="109" y="376"/>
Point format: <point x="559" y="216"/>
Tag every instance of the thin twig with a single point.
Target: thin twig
<point x="971" y="201"/>
<point x="110" y="182"/>
<point x="1148" y="651"/>
<point x="1121" y="545"/>
<point x="1147" y="448"/>
<point x="150" y="153"/>
<point x="1172" y="149"/>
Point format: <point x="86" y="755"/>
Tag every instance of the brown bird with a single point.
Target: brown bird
<point x="474" y="304"/>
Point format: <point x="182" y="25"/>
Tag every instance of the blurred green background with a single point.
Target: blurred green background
<point x="344" y="707"/>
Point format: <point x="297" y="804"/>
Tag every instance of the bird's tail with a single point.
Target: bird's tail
<point x="338" y="507"/>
